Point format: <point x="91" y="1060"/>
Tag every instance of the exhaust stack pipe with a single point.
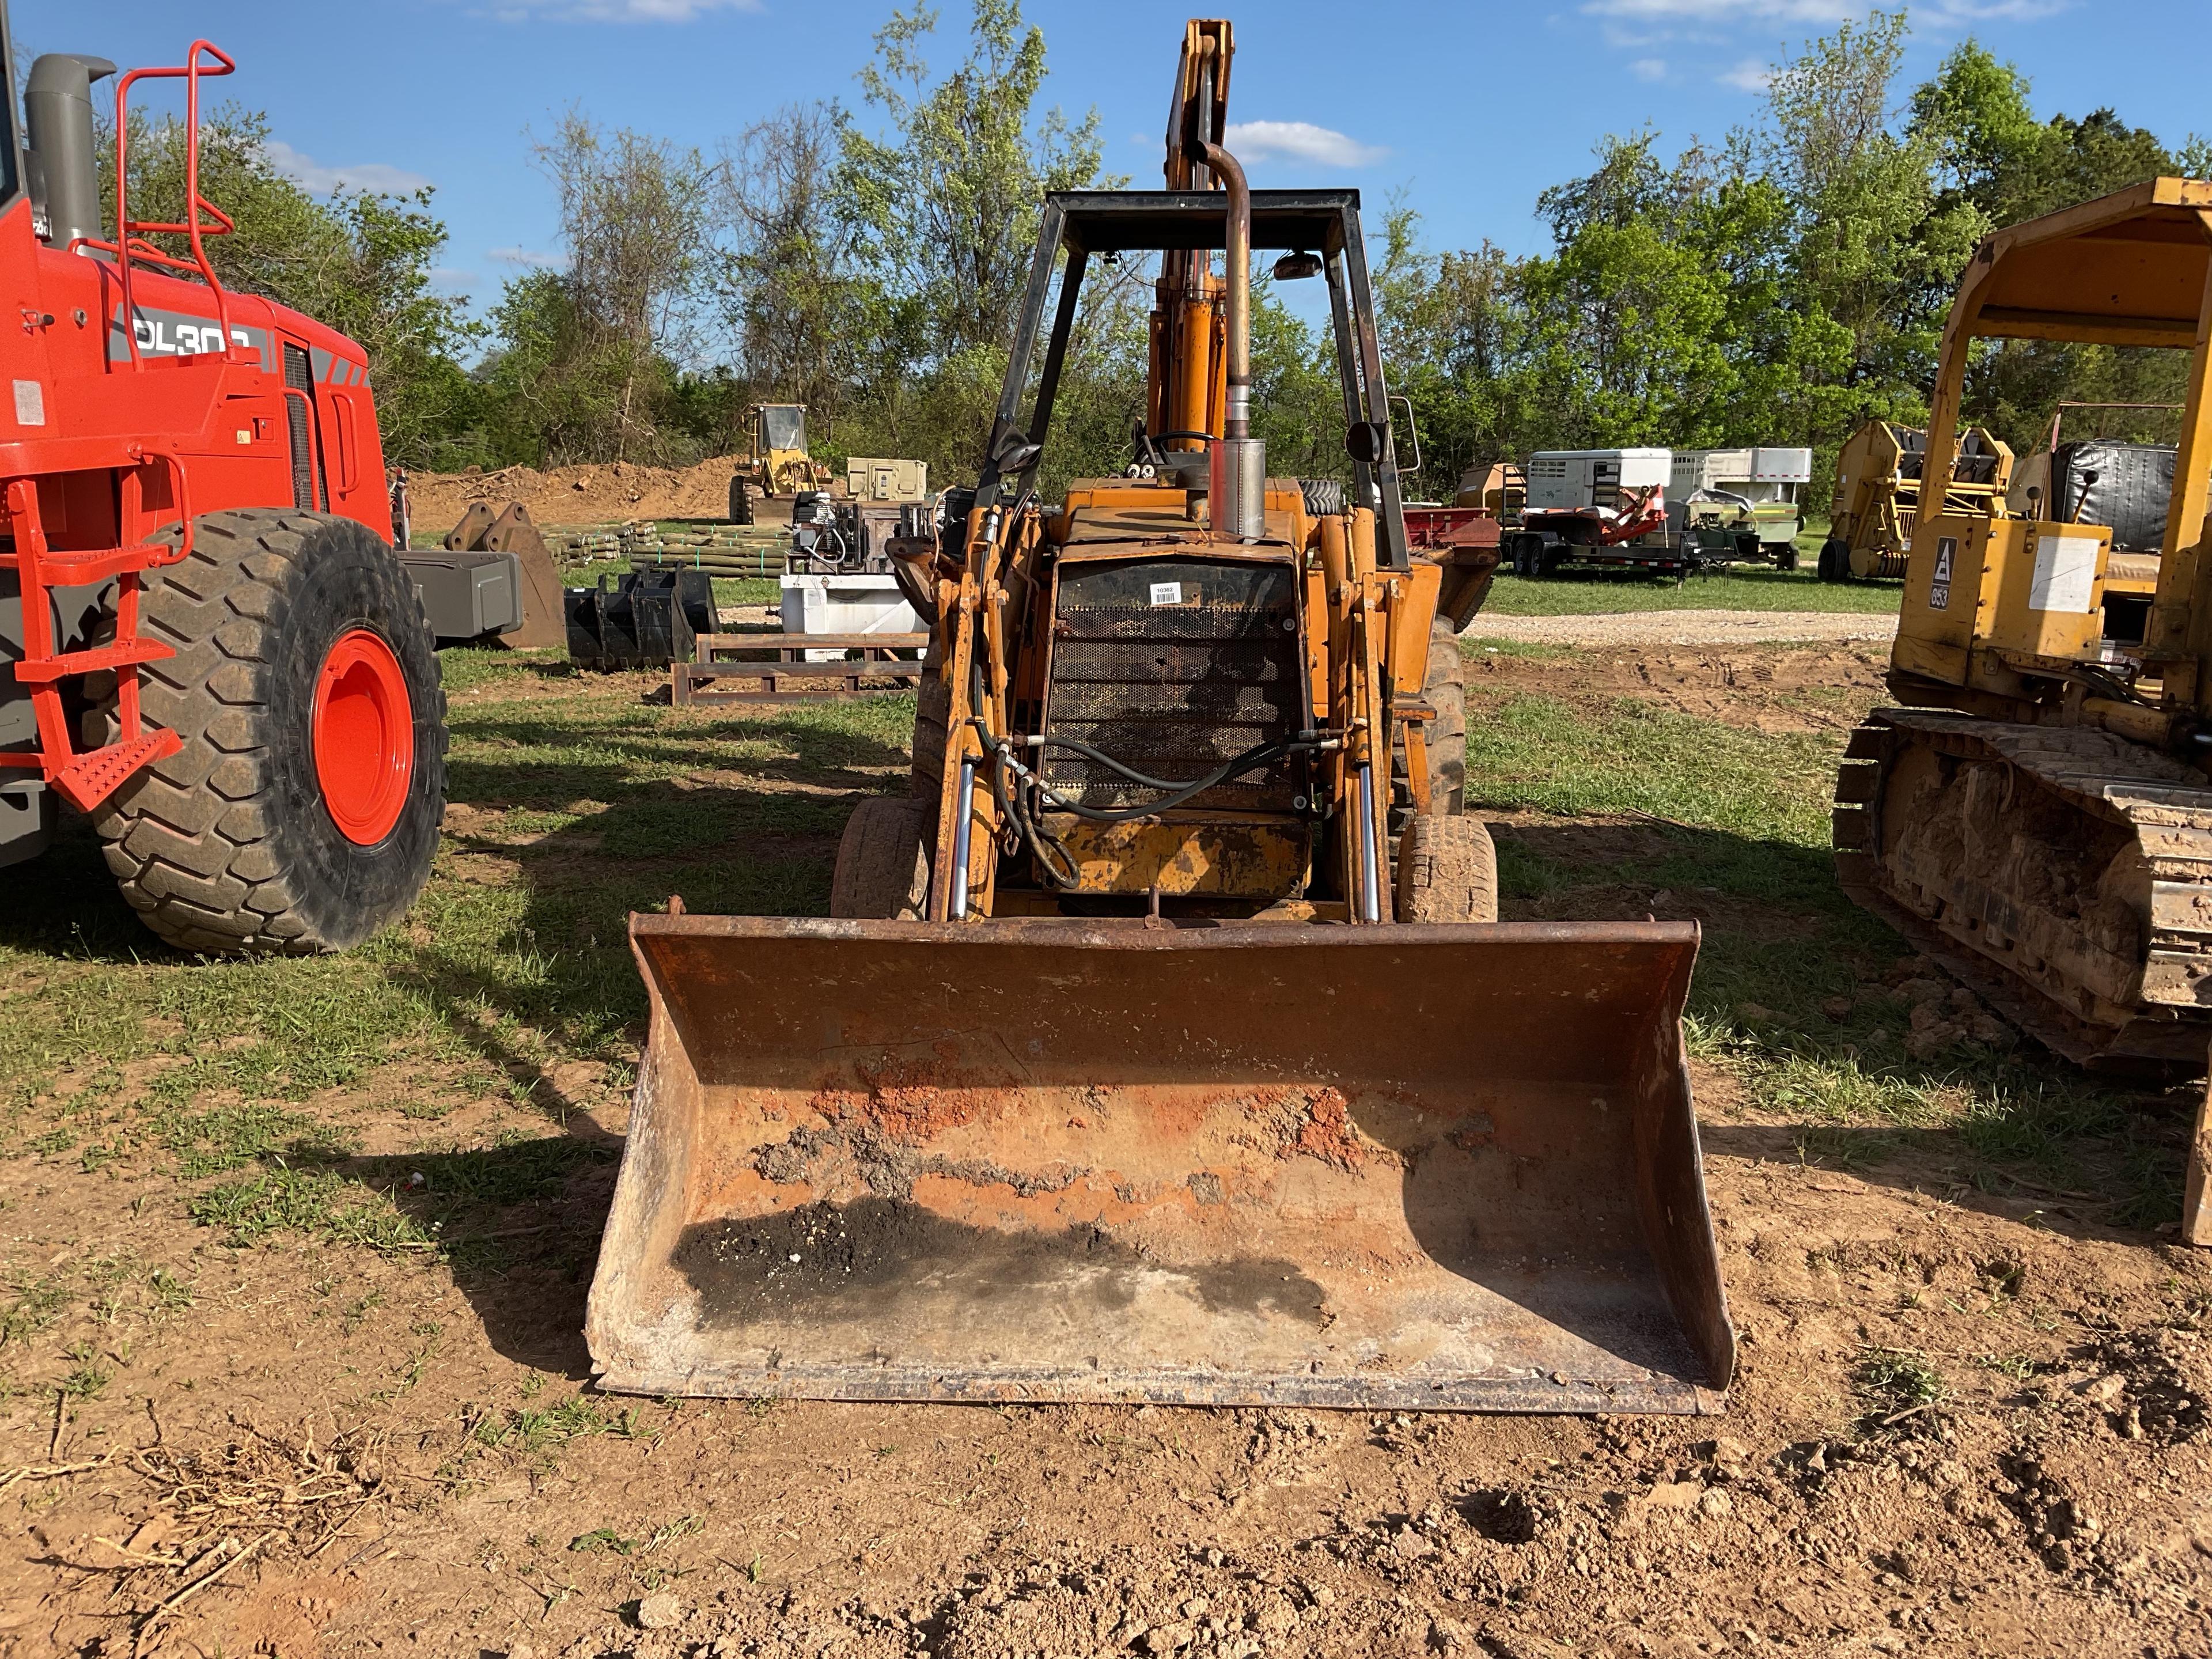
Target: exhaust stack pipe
<point x="64" y="177"/>
<point x="1238" y="487"/>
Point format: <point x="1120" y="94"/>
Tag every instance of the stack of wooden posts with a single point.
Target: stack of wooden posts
<point x="708" y="545"/>
<point x="718" y="549"/>
<point x="582" y="543"/>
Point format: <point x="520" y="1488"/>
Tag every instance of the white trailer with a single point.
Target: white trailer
<point x="1602" y="508"/>
<point x="1581" y="480"/>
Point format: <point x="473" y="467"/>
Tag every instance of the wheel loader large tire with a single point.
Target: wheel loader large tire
<point x="1447" y="871"/>
<point x="882" y="865"/>
<point x="932" y="711"/>
<point x="302" y="812"/>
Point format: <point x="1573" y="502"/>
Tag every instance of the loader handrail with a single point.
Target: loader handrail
<point x="127" y="246"/>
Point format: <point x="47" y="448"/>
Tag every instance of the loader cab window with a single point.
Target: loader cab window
<point x="11" y="170"/>
<point x="783" y="427"/>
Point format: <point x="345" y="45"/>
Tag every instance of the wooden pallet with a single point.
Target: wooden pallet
<point x="787" y="673"/>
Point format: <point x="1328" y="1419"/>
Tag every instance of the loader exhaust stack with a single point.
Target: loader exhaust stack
<point x="1445" y="1168"/>
<point x="1239" y="473"/>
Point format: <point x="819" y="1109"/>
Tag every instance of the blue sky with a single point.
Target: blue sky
<point x="1468" y="109"/>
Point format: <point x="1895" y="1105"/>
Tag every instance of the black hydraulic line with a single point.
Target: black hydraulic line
<point x="1259" y="755"/>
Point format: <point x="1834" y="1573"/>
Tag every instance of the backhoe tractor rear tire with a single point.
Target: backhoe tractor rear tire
<point x="1324" y="497"/>
<point x="1447" y="871"/>
<point x="1444" y="690"/>
<point x="883" y="866"/>
<point x="302" y="812"/>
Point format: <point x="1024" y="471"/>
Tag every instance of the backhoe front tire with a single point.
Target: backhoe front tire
<point x="932" y="712"/>
<point x="301" y="814"/>
<point x="883" y="866"/>
<point x="1835" y="562"/>
<point x="1444" y="690"/>
<point x="1447" y="871"/>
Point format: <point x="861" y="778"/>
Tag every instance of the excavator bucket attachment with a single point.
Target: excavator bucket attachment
<point x="1448" y="1167"/>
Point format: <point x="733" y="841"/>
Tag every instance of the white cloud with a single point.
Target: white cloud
<point x="450" y="277"/>
<point x="616" y="11"/>
<point x="376" y="176"/>
<point x="1752" y="74"/>
<point x="1299" y="141"/>
<point x="526" y="256"/>
<point x="1649" y="68"/>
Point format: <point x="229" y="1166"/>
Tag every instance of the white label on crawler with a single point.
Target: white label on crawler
<point x="1162" y="592"/>
<point x="30" y="404"/>
<point x="2065" y="573"/>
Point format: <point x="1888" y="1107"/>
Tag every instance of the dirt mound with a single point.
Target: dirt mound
<point x="580" y="495"/>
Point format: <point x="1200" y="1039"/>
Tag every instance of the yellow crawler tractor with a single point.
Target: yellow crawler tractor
<point x="1124" y="1068"/>
<point x="2039" y="819"/>
<point x="1878" y="489"/>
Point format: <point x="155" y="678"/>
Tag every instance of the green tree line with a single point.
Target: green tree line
<point x="1781" y="284"/>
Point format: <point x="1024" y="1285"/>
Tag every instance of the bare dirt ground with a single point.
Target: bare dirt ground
<point x="1684" y="628"/>
<point x="1971" y="1417"/>
<point x="580" y="495"/>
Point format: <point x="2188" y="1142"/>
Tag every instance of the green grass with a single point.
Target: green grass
<point x="1791" y="997"/>
<point x="1899" y="1379"/>
<point x="576" y="803"/>
<point x="1552" y="756"/>
<point x="1733" y="587"/>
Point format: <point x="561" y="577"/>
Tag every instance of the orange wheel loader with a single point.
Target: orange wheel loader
<point x="1164" y="1044"/>
<point x="207" y="641"/>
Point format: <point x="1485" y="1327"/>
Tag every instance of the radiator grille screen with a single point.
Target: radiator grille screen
<point x="1174" y="666"/>
<point x="299" y="377"/>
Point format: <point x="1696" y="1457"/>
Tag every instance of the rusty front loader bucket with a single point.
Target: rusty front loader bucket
<point x="1398" y="1167"/>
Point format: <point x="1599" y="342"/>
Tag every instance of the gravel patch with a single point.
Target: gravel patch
<point x="1684" y="628"/>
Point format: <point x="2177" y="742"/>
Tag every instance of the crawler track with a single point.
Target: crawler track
<point x="2063" y="873"/>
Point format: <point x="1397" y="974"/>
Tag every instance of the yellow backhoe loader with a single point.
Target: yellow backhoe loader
<point x="1124" y="1068"/>
<point x="2039" y="819"/>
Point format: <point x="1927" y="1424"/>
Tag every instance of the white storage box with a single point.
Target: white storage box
<point x="866" y="604"/>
